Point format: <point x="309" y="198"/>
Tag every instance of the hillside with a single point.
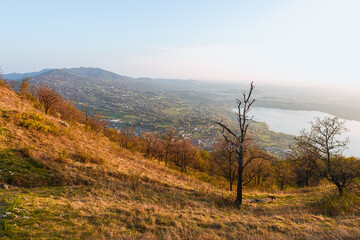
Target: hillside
<point x="68" y="182"/>
<point x="153" y="104"/>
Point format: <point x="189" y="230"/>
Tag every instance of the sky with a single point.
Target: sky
<point x="280" y="41"/>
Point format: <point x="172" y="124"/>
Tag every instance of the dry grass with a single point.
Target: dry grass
<point x="76" y="184"/>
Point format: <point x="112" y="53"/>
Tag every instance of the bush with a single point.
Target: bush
<point x="87" y="158"/>
<point x="37" y="122"/>
<point x="334" y="204"/>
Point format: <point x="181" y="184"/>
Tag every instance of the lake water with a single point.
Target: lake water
<point x="292" y="121"/>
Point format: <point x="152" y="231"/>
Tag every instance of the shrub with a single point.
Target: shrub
<point x="87" y="158"/>
<point x="3" y="131"/>
<point x="37" y="122"/>
<point x="62" y="156"/>
<point x="334" y="204"/>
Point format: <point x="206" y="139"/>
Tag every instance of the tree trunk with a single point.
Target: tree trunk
<point x="166" y="155"/>
<point x="340" y="190"/>
<point x="306" y="181"/>
<point x="231" y="179"/>
<point x="238" y="201"/>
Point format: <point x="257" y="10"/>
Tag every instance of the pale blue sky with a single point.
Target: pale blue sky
<point x="290" y="41"/>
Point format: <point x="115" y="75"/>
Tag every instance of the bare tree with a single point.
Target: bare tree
<point x="303" y="156"/>
<point x="225" y="158"/>
<point x="259" y="169"/>
<point x="150" y="143"/>
<point x="85" y="108"/>
<point x="168" y="138"/>
<point x="323" y="140"/>
<point x="283" y="173"/>
<point x="238" y="138"/>
<point x="24" y="86"/>
<point x="186" y="154"/>
<point x="47" y="97"/>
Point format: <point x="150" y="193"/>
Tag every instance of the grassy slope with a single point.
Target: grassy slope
<point x="69" y="183"/>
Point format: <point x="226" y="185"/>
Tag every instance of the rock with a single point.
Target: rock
<point x="64" y="123"/>
<point x="272" y="197"/>
<point x="4" y="186"/>
<point x="262" y="200"/>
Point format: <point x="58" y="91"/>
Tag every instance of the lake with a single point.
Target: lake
<point x="292" y="121"/>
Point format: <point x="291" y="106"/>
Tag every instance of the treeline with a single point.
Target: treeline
<point x="166" y="147"/>
<point x="219" y="165"/>
<point x="53" y="103"/>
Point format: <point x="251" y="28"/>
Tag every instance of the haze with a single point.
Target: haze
<point x="288" y="42"/>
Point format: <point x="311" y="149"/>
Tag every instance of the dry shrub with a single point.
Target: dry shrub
<point x="85" y="157"/>
<point x="135" y="179"/>
<point x="62" y="156"/>
<point x="334" y="204"/>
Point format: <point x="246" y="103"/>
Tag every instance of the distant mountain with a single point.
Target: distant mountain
<point x="93" y="72"/>
<point x="19" y="76"/>
<point x="82" y="71"/>
<point x="100" y="76"/>
<point x="81" y="78"/>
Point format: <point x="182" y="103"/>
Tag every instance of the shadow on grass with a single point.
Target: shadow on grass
<point x="19" y="169"/>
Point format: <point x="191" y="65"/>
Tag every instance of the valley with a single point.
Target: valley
<point x="188" y="106"/>
<point x="146" y="104"/>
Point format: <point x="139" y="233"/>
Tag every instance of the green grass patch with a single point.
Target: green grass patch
<point x="18" y="169"/>
<point x="31" y="216"/>
<point x="3" y="131"/>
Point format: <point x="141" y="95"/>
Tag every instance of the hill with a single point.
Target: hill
<point x="154" y="104"/>
<point x="68" y="182"/>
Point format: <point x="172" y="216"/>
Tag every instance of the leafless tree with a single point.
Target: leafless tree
<point x="303" y="157"/>
<point x="323" y="140"/>
<point x="150" y="143"/>
<point x="283" y="173"/>
<point x="168" y="140"/>
<point x="225" y="158"/>
<point x="186" y="154"/>
<point x="24" y="86"/>
<point x="260" y="168"/>
<point x="47" y="97"/>
<point x="239" y="138"/>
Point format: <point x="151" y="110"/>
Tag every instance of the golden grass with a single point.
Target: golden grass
<point x="126" y="196"/>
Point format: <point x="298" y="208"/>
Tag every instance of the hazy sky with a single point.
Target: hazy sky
<point x="288" y="41"/>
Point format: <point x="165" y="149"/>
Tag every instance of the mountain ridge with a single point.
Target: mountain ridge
<point x="98" y="73"/>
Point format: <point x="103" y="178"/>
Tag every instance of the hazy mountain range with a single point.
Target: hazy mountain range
<point x="66" y="76"/>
